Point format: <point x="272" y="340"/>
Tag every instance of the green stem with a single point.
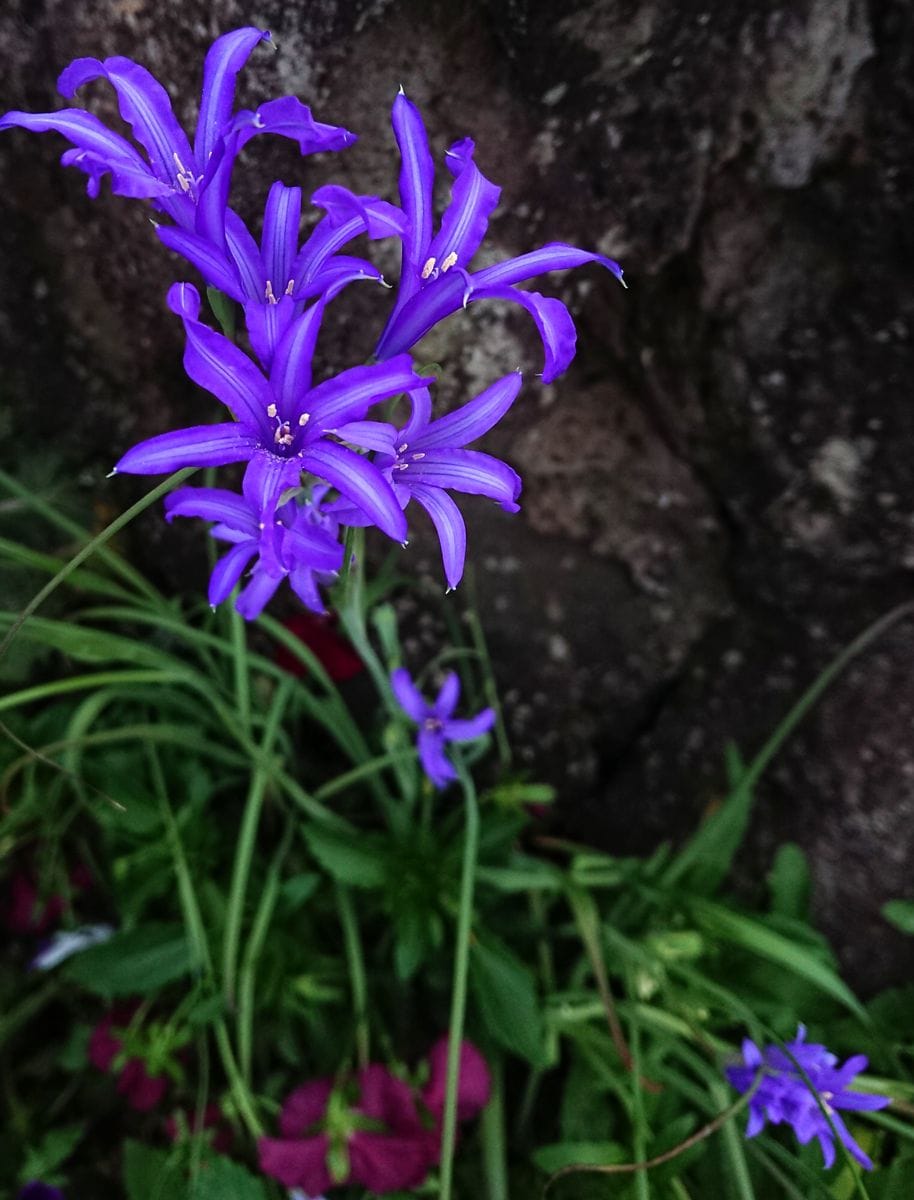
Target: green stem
<point x="248" y="976"/>
<point x="459" y="987"/>
<point x="492" y="1128"/>
<point x="193" y="923"/>
<point x="244" y="851"/>
<point x="356" y="962"/>
<point x="240" y="663"/>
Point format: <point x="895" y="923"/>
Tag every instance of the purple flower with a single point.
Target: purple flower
<point x="435" y="279"/>
<point x="436" y="724"/>
<point x="474" y="1081"/>
<point x="374" y="1138"/>
<point x="190" y="184"/>
<point x="273" y="280"/>
<point x="39" y="1191"/>
<point x="784" y="1097"/>
<point x="430" y="457"/>
<point x="300" y="544"/>
<point x="282" y="423"/>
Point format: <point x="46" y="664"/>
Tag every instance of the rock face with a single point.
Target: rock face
<point x="719" y="494"/>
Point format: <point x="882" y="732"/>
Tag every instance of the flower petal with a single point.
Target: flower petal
<point x="359" y="481"/>
<point x="199" y="446"/>
<point x="212" y="504"/>
<point x="555" y="256"/>
<point x="82" y="128"/>
<point x="475" y="418"/>
<point x="266" y="324"/>
<point x="552" y="319"/>
<point x="279" y="244"/>
<point x="474" y="1080"/>
<point x="246" y="254"/>
<point x="368" y="435"/>
<point x="466" y="471"/>
<point x="299" y="1163"/>
<point x="254" y="598"/>
<point x="217" y="269"/>
<point x="408" y="695"/>
<point x="224" y="59"/>
<point x="466" y="218"/>
<point x="145" y="106"/>
<point x="421" y="410"/>
<point x="228" y="570"/>
<point x="289" y="118"/>
<point x="290" y="374"/>
<point x="126" y="180"/>
<point x="468" y="730"/>
<point x="217" y="364"/>
<point x="382" y="1162"/>
<point x="323" y="242"/>
<point x="450" y="527"/>
<point x="311" y="547"/>
<point x="304" y="1107"/>
<point x="417" y="183"/>
<point x="304" y="585"/>
<point x="448" y="695"/>
<point x="335" y="275"/>
<point x="349" y="395"/>
<point x="435" y="763"/>
<point x="379" y="218"/>
<point x="411" y="321"/>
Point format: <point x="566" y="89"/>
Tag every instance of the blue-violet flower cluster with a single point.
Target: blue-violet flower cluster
<point x="316" y="457"/>
<point x="783" y="1096"/>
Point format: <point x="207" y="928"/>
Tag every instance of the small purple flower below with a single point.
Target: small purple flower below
<point x="784" y="1097"/>
<point x="35" y="1190"/>
<point x="437" y="725"/>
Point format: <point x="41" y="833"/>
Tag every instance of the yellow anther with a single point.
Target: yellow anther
<point x="449" y="261"/>
<point x="271" y="411"/>
<point x="304" y="418"/>
<point x="268" y="293"/>
<point x="428" y="268"/>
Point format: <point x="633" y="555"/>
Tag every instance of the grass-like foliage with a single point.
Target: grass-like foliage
<point x="292" y="900"/>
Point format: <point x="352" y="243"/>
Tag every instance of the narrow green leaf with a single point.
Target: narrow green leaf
<point x="758" y="939"/>
<point x="900" y="913"/>
<point x="565" y="1154"/>
<point x="137" y="962"/>
<point x="507" y="1001"/>
<point x="357" y="861"/>
<point x="790" y="882"/>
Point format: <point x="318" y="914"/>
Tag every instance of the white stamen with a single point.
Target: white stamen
<point x="304" y="418"/>
<point x="271" y="411"/>
<point x="428" y="268"/>
<point x="268" y="293"/>
<point x="290" y="288"/>
<point x="416" y="457"/>
<point x="405" y="446"/>
<point x="449" y="261"/>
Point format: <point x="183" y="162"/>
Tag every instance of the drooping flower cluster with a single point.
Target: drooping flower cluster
<point x="783" y="1096"/>
<point x="299" y="439"/>
<point x="372" y="1129"/>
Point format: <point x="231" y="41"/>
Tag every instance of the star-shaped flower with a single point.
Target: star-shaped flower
<point x="300" y="544"/>
<point x="190" y="184"/>
<point x="429" y="457"/>
<point x="274" y="279"/>
<point x="435" y="278"/>
<point x="784" y="1097"/>
<point x="437" y="724"/>
<point x="282" y="424"/>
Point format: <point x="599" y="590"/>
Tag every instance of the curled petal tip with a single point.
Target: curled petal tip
<point x="400" y="91"/>
<point x="111" y="473"/>
<point x="403" y="545"/>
